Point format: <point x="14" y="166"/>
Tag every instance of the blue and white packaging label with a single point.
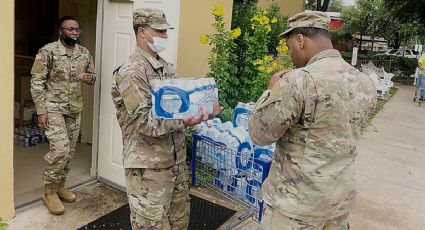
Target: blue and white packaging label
<point x="182" y="97"/>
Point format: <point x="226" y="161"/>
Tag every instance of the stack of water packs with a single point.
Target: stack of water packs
<point x="241" y="166"/>
<point x="179" y="98"/>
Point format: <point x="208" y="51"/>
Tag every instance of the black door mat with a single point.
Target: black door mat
<point x="204" y="215"/>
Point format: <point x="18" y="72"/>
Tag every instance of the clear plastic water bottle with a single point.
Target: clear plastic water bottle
<point x="34" y="138"/>
<point x="252" y="194"/>
<point x="26" y="142"/>
<point x="216" y="121"/>
<point x="240" y="189"/>
<point x="242" y="120"/>
<point x="171" y="103"/>
<point x="43" y="136"/>
<point x="250" y="106"/>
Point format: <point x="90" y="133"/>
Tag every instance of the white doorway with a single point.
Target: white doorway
<point x="35" y="26"/>
<point x="114" y="46"/>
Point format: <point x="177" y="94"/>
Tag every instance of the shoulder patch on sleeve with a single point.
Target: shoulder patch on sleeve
<point x="123" y="85"/>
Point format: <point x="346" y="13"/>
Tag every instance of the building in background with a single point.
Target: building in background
<point x="109" y="35"/>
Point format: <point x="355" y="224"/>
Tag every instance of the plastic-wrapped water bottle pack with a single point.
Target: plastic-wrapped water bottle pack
<point x="181" y="97"/>
<point x="29" y="136"/>
<point x="241" y="166"/>
<point x="242" y="113"/>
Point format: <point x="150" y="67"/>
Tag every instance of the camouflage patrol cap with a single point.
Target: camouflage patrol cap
<point x="312" y="19"/>
<point x="152" y="17"/>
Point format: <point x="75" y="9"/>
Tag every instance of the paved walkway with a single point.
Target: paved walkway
<point x="391" y="167"/>
<point x="390" y="178"/>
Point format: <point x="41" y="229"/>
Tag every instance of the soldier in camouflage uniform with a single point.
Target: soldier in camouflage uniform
<point x="315" y="114"/>
<point x="154" y="154"/>
<point x="57" y="73"/>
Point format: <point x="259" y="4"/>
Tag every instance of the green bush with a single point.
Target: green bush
<point x="257" y="48"/>
<point x="362" y="55"/>
<point x="3" y="226"/>
<point x="242" y="59"/>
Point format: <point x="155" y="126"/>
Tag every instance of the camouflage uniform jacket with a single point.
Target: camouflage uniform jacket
<point x="315" y="114"/>
<point x="147" y="142"/>
<point x="56" y="78"/>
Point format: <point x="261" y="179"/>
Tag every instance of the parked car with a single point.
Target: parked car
<point x="409" y="53"/>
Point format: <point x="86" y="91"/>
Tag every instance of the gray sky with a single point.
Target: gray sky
<point x="348" y="2"/>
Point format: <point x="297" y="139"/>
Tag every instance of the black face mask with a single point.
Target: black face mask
<point x="69" y="41"/>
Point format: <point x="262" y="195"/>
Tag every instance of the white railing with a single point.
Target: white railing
<point x="380" y="78"/>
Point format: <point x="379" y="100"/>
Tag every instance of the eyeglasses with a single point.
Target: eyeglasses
<point x="72" y="29"/>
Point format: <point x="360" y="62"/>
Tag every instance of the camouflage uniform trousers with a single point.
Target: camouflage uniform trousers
<point x="62" y="132"/>
<point x="158" y="198"/>
<point x="274" y="220"/>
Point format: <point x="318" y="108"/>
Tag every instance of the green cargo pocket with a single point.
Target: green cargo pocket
<point x="143" y="208"/>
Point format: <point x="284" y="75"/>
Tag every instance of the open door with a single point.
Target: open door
<point x="118" y="42"/>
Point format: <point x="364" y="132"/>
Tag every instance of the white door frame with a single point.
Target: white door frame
<point x="171" y="56"/>
<point x="96" y="109"/>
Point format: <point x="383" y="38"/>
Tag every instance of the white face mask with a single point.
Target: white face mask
<point x="158" y="45"/>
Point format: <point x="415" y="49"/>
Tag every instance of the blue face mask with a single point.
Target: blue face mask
<point x="158" y="45"/>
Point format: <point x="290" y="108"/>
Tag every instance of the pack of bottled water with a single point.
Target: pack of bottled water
<point x="253" y="192"/>
<point x="241" y="166"/>
<point x="242" y="113"/>
<point x="182" y="97"/>
<point x="29" y="136"/>
<point x="224" y="180"/>
<point x="232" y="151"/>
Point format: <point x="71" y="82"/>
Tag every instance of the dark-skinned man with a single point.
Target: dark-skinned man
<point x="58" y="71"/>
<point x="315" y="113"/>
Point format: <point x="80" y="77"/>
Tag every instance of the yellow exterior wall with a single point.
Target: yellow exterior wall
<point x="287" y="7"/>
<point x="7" y="18"/>
<point x="195" y="20"/>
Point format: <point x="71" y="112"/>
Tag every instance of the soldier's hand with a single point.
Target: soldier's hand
<point x="87" y="77"/>
<point x="192" y="120"/>
<point x="217" y="109"/>
<point x="42" y="120"/>
<point x="276" y="77"/>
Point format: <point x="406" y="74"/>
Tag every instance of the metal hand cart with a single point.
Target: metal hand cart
<point x="236" y="175"/>
<point x="420" y="89"/>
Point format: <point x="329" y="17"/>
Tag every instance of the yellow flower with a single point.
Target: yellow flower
<point x="269" y="69"/>
<point x="258" y="62"/>
<point x="236" y="33"/>
<point x="266" y="20"/>
<point x="274" y="20"/>
<point x="255" y="18"/>
<point x="268" y="58"/>
<point x="262" y="68"/>
<point x="203" y="39"/>
<point x="218" y="10"/>
<point x="282" y="48"/>
<point x="268" y="28"/>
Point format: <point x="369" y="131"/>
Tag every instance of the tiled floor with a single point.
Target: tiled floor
<point x="29" y="165"/>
